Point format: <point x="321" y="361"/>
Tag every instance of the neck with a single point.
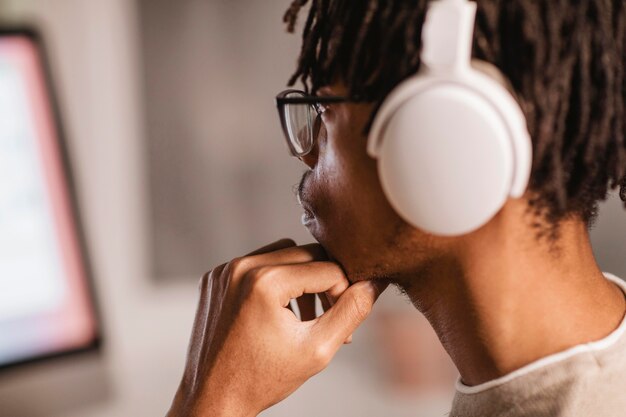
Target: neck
<point x="505" y="298"/>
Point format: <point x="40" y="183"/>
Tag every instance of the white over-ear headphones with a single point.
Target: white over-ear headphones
<point x="452" y="143"/>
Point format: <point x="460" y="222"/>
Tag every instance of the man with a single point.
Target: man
<point x="519" y="303"/>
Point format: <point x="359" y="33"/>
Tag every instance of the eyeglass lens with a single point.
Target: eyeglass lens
<point x="300" y="120"/>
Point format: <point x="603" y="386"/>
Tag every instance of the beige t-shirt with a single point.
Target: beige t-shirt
<point x="587" y="380"/>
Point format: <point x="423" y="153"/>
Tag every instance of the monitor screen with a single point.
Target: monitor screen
<point x="46" y="307"/>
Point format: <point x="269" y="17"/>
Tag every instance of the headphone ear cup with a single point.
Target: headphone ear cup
<point x="445" y="159"/>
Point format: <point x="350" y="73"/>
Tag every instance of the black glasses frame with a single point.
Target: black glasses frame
<point x="316" y="101"/>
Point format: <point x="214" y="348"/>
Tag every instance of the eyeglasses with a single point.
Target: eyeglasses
<point x="301" y="118"/>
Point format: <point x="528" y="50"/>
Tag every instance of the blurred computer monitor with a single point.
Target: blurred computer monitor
<point x="46" y="303"/>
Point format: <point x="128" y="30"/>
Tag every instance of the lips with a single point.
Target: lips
<point x="308" y="216"/>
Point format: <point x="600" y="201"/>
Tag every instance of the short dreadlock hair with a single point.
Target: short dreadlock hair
<point x="564" y="59"/>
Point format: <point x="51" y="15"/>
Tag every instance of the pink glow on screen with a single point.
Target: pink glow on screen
<point x="71" y="324"/>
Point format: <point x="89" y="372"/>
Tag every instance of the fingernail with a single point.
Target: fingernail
<point x="372" y="287"/>
<point x="377" y="286"/>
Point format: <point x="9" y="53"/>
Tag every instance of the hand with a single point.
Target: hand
<point x="248" y="350"/>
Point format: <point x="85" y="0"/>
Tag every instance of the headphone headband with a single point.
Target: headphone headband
<point x="447" y="35"/>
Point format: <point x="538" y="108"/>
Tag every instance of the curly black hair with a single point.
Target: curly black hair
<point x="564" y="59"/>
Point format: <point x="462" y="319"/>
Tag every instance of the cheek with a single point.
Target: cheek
<point x="353" y="207"/>
<point x="345" y="173"/>
<point x="352" y="174"/>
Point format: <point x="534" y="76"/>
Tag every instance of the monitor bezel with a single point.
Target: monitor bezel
<point x="96" y="343"/>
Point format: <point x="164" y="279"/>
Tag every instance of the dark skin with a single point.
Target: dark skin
<point x="498" y="298"/>
<point x="343" y="193"/>
<point x="487" y="294"/>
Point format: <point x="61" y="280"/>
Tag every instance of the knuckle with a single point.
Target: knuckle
<point x="259" y="279"/>
<point x="204" y="281"/>
<point x="238" y="266"/>
<point x="209" y="277"/>
<point x="338" y="289"/>
<point x="322" y="355"/>
<point x="343" y="285"/>
<point x="288" y="241"/>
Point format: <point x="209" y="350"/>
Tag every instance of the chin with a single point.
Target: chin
<point x="367" y="251"/>
<point x="357" y="265"/>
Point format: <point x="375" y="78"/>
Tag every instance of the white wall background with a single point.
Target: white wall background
<point x="95" y="54"/>
<point x="95" y="58"/>
<point x="219" y="173"/>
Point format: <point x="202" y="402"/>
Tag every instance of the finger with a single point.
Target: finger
<point x="215" y="293"/>
<point x="279" y="244"/>
<point x="334" y="293"/>
<point x="291" y="255"/>
<point x="209" y="286"/>
<point x="306" y="305"/>
<point x="238" y="267"/>
<point x="199" y="323"/>
<point x="292" y="281"/>
<point x="327" y="304"/>
<point x="350" y="310"/>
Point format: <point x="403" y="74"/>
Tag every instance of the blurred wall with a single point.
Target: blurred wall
<point x="233" y="171"/>
<point x="96" y="57"/>
<point x="217" y="167"/>
<point x="219" y="172"/>
<point x="608" y="236"/>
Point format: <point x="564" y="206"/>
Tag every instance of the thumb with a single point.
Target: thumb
<point x="350" y="310"/>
